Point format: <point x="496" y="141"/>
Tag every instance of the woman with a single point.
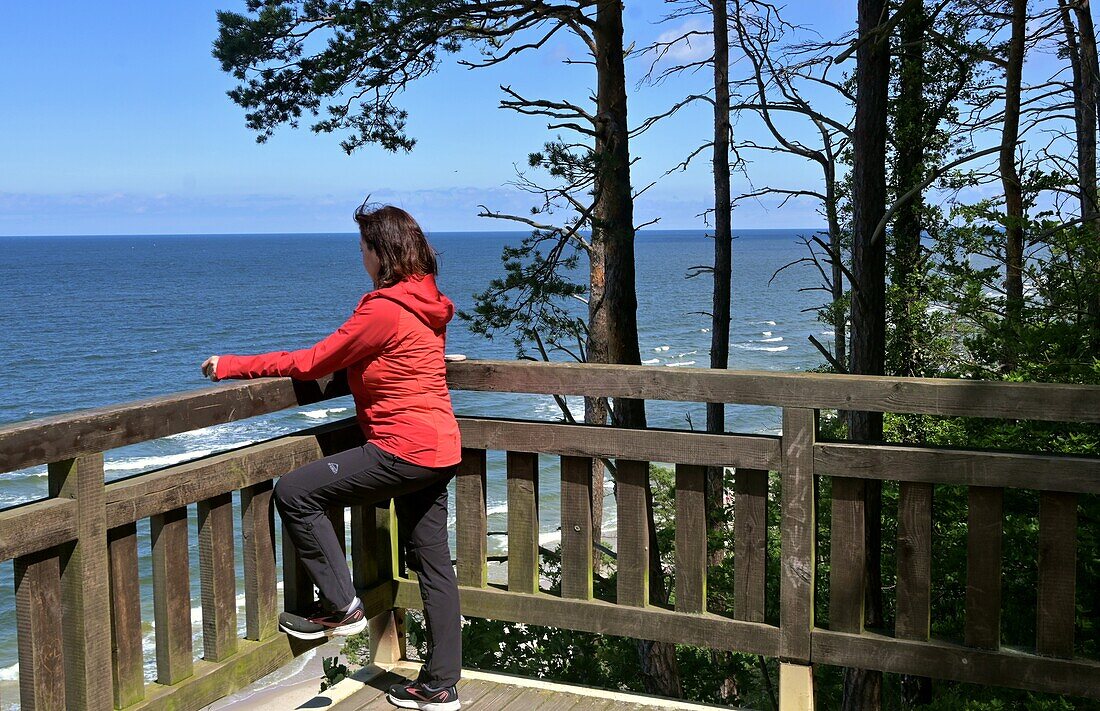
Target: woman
<point x="392" y="347"/>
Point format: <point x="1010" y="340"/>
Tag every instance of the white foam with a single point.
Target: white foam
<point x="677" y="365"/>
<point x="651" y="361"/>
<point x="766" y="333"/>
<point x="323" y="413"/>
<point x="166" y="460"/>
<point x="751" y="347"/>
<point x="498" y="509"/>
<point x="661" y="349"/>
<point x="828" y="333"/>
<point x="681" y="355"/>
<point x="774" y="339"/>
<point x="762" y="323"/>
<point x="704" y="330"/>
<point x="10" y="673"/>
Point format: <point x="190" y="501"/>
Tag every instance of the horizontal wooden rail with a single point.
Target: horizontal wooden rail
<point x="704" y="630"/>
<point x="823" y="391"/>
<point x="657" y="445"/>
<point x="52" y="439"/>
<point x="1042" y="472"/>
<point x="36" y="526"/>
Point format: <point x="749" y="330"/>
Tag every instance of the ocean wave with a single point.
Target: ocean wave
<point x="704" y="330"/>
<point x="773" y="339"/>
<point x="661" y="349"/>
<point x="166" y="460"/>
<point x="762" y="323"/>
<point x="766" y="333"/>
<point x="828" y="333"/>
<point x="677" y="365"/>
<point x="651" y="361"/>
<point x="322" y="413"/>
<point x="681" y="355"/>
<point x="10" y="673"/>
<point x="498" y="509"/>
<point x="768" y="349"/>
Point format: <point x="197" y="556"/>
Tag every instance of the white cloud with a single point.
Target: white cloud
<point x="692" y="42"/>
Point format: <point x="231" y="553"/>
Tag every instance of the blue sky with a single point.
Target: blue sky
<point x="116" y="122"/>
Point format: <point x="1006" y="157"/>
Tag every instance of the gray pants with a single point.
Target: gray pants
<point x="368" y="475"/>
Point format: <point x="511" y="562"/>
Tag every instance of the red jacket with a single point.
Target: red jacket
<point x="392" y="347"/>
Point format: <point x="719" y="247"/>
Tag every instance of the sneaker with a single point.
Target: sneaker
<point x="418" y="695"/>
<point x="321" y="624"/>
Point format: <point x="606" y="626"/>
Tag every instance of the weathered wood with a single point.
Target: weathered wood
<point x="796" y="687"/>
<point x="140" y="497"/>
<point x="750" y="544"/>
<point x="820" y="391"/>
<point x="218" y="577"/>
<point x="702" y="630"/>
<point x="657" y="445"/>
<point x="340" y="526"/>
<point x="576" y="527"/>
<point x="847" y="556"/>
<point x="38" y="622"/>
<point x="691" y="539"/>
<point x="985" y="523"/>
<point x="523" y="521"/>
<point x="1057" y="574"/>
<point x="52" y="439"/>
<point x="36" y="526"/>
<point x="632" y="550"/>
<point x="85" y="583"/>
<point x="959" y="466"/>
<point x="386" y="636"/>
<point x="298" y="594"/>
<point x="127" y="655"/>
<point x="943" y="660"/>
<point x="796" y="585"/>
<point x="914" y="586"/>
<point x="261" y="606"/>
<point x="215" y="680"/>
<point x="471" y="538"/>
<point x="171" y="596"/>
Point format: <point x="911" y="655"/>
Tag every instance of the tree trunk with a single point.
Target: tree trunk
<point x="910" y="135"/>
<point x="840" y="327"/>
<point x="613" y="221"/>
<point x="595" y="409"/>
<point x="723" y="247"/>
<point x="862" y="688"/>
<point x="1010" y="181"/>
<point x="1086" y="98"/>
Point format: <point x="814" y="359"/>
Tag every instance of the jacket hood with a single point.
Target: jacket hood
<point x="421" y="296"/>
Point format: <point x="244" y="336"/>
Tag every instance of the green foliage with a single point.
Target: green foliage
<point x="334" y="672"/>
<point x="356" y="648"/>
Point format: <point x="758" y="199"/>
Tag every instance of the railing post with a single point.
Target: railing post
<point x="386" y="631"/>
<point x="796" y="586"/>
<point x="37" y="608"/>
<point x="84" y="583"/>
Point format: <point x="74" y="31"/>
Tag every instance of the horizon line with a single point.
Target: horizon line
<point x="350" y="232"/>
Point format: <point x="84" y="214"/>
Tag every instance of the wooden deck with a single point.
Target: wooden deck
<point x="366" y="691"/>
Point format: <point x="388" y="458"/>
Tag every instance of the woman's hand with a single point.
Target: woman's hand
<point x="210" y="368"/>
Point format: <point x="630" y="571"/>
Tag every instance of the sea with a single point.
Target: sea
<point x="93" y="321"/>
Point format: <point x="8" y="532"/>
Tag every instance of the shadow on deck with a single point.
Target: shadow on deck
<point x="366" y="691"/>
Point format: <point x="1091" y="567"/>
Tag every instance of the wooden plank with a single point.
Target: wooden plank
<point x="36" y="526"/>
<point x="38" y="625"/>
<point x="52" y="439"/>
<point x="944" y="660"/>
<point x="171" y="596"/>
<point x="691" y="539"/>
<point x="985" y="523"/>
<point x="632" y="554"/>
<point x="1057" y="574"/>
<point x="85" y="582"/>
<point x="127" y="655"/>
<point x="364" y="567"/>
<point x="976" y="467"/>
<point x="796" y="585"/>
<point x="656" y="623"/>
<point x="914" y="554"/>
<point x="576" y="527"/>
<point x="471" y="538"/>
<point x="847" y="556"/>
<point x="298" y="593"/>
<point x="218" y="577"/>
<point x="523" y="521"/>
<point x="653" y="444"/>
<point x="821" y="391"/>
<point x="750" y="544"/>
<point x="140" y="497"/>
<point x="216" y="680"/>
<point x="261" y="606"/>
<point x="340" y="526"/>
<point x="796" y="687"/>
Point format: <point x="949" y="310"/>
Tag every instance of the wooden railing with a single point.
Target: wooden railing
<point x="75" y="552"/>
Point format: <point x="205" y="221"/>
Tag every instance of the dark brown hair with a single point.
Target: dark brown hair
<point x="398" y="241"/>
